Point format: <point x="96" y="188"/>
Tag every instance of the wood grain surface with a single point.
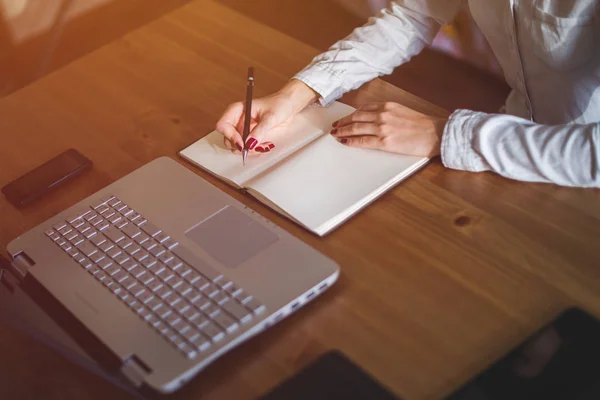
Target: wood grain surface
<point x="440" y="276"/>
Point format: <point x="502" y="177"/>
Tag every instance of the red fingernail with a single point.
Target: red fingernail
<point x="271" y="146"/>
<point x="239" y="147"/>
<point x="260" y="149"/>
<point x="343" y="141"/>
<point x="251" y="142"/>
<point x="267" y="149"/>
<point x="333" y="131"/>
<point x="334" y="124"/>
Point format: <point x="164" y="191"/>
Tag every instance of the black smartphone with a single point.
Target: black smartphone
<point x="332" y="376"/>
<point x="559" y="362"/>
<point x="47" y="176"/>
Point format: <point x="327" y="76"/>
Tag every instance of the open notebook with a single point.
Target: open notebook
<point x="308" y="177"/>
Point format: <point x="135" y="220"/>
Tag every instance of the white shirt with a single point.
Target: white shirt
<point x="549" y="51"/>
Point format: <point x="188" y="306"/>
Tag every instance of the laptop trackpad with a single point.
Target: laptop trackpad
<point x="231" y="237"/>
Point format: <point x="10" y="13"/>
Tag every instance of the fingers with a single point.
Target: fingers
<point x="264" y="147"/>
<point x="357" y="116"/>
<point x="228" y="122"/>
<point x="258" y="132"/>
<point x="368" y="142"/>
<point x="356" y="129"/>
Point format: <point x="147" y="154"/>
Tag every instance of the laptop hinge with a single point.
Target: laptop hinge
<point x="135" y="371"/>
<point x="20" y="266"/>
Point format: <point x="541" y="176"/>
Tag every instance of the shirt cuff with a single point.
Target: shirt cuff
<point x="458" y="150"/>
<point x="324" y="81"/>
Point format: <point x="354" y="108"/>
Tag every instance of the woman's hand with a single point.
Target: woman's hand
<point x="391" y="127"/>
<point x="268" y="113"/>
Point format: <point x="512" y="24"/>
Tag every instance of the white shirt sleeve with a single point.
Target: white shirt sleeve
<point x="516" y="148"/>
<point x="387" y="40"/>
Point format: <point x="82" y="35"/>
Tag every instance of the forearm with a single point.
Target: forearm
<point x="387" y="40"/>
<point x="567" y="155"/>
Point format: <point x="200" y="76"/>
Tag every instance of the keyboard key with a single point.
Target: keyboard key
<point x="61" y="242"/>
<point x="183" y="288"/>
<point x="139" y="222"/>
<point x="233" y="290"/>
<point x="66" y="246"/>
<point x="254" y="305"/>
<point x="131" y="230"/>
<point x="166" y="257"/>
<point x="120" y="276"/>
<point x="175" y="263"/>
<point x="121" y="258"/>
<point x="114" y="234"/>
<point x="131" y="284"/>
<point x="125" y="211"/>
<point x="146" y="279"/>
<point x="191" y="314"/>
<point x="145" y="296"/>
<point x="224" y="284"/>
<point x="151" y="229"/>
<point x="71" y="235"/>
<point x="190" y="334"/>
<point x="220" y="298"/>
<point x="201" y="284"/>
<point x="77" y="217"/>
<point x="90" y="233"/>
<point x="126" y="243"/>
<point x="96" y="257"/>
<point x="172" y="299"/>
<point x="58" y="226"/>
<point x="184" y="270"/>
<point x="211" y="310"/>
<point x="142" y="238"/>
<point x="237" y="311"/>
<point x="170" y="243"/>
<point x="114" y="202"/>
<point x="213" y="331"/>
<point x="161" y="237"/>
<point x="175" y="282"/>
<point x="149" y="245"/>
<point x="154" y="304"/>
<point x="85" y="263"/>
<point x="50" y="233"/>
<point x="210" y="290"/>
<point x="200" y="265"/>
<point x="182" y="306"/>
<point x="134" y="248"/>
<point x="84" y="228"/>
<point x="114" y="252"/>
<point x="79" y="258"/>
<point x="115" y="219"/>
<point x="91" y="216"/>
<point x="77" y="240"/>
<point x="226" y="322"/>
<point x="65" y="230"/>
<point x="138" y="272"/>
<point x="154" y="285"/>
<point x="201" y="343"/>
<point x="73" y="251"/>
<point x="101" y="275"/>
<point x="96" y="220"/>
<point x="102" y="209"/>
<point x="105" y="263"/>
<point x="120" y="206"/>
<point x="103" y="225"/>
<point x="165" y="275"/>
<point x="172" y="319"/>
<point x="102" y="202"/>
<point x="156" y="268"/>
<point x="157" y="251"/>
<point x="106" y="246"/>
<point x="142" y="255"/>
<point x="130" y="265"/>
<point x="133" y="216"/>
<point x="112" y="269"/>
<point x="87" y="248"/>
<point x="200" y="321"/>
<point x="163" y="291"/>
<point x="192" y="296"/>
<point x="148" y="262"/>
<point x="193" y="277"/>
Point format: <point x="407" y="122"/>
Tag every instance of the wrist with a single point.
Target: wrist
<point x="299" y="94"/>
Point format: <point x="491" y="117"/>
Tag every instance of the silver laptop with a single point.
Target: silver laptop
<point x="168" y="272"/>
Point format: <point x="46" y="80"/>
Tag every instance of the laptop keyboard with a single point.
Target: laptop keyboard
<point x="180" y="296"/>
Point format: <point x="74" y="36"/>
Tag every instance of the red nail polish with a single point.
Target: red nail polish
<point x="271" y="146"/>
<point x="343" y="141"/>
<point x="251" y="143"/>
<point x="267" y="149"/>
<point x="333" y="131"/>
<point x="260" y="149"/>
<point x="240" y="148"/>
<point x="334" y="124"/>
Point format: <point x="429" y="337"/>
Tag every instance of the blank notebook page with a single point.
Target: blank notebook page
<point x="326" y="181"/>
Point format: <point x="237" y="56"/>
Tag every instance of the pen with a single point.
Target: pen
<point x="248" y="114"/>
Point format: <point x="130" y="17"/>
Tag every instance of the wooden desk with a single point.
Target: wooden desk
<point x="439" y="276"/>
